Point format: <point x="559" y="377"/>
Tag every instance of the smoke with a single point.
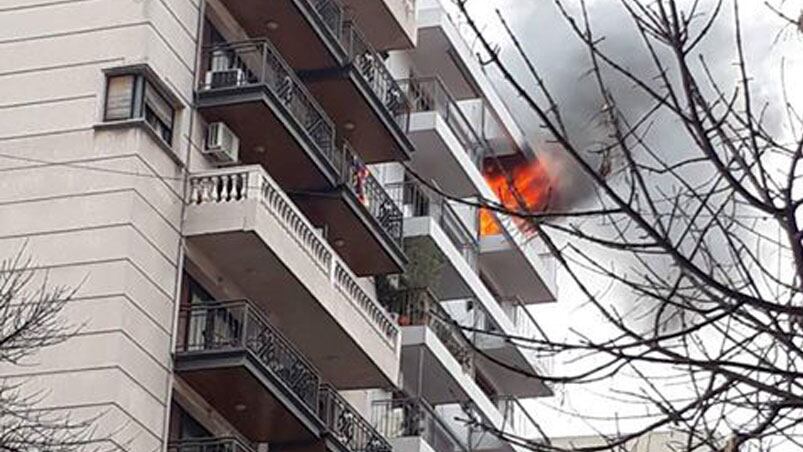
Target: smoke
<point x="564" y="62"/>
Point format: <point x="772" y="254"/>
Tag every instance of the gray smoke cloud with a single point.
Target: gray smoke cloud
<point x="563" y="60"/>
<point x="564" y="63"/>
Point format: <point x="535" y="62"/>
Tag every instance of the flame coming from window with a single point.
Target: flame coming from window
<point x="530" y="181"/>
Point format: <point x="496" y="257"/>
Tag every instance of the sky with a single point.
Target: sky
<point x="548" y="40"/>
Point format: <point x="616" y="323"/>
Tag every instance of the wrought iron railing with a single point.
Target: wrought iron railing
<point x="418" y="201"/>
<point x="414" y="417"/>
<point x="371" y="67"/>
<point x="257" y="63"/>
<point x="239" y="184"/>
<point x="238" y="325"/>
<point x="346" y="425"/>
<point x="209" y="445"/>
<point x="370" y="192"/>
<point x="331" y="13"/>
<point x="421" y="307"/>
<point x="430" y="94"/>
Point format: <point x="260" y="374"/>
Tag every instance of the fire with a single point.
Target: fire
<point x="530" y="181"/>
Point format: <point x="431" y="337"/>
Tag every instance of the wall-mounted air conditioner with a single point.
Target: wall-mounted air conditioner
<point x="221" y="143"/>
<point x="225" y="78"/>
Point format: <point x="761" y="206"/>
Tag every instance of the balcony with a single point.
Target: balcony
<point x="429" y="216"/>
<point x="340" y="66"/>
<point x="248" y="371"/>
<point x="280" y="125"/>
<point x="490" y="336"/>
<point x="243" y="223"/>
<point x="403" y="420"/>
<point x="437" y="358"/>
<point x="389" y="24"/>
<point x="449" y="149"/>
<point x="367" y="104"/>
<point x="362" y="219"/>
<point x="518" y="269"/>
<point x="306" y="32"/>
<point x="250" y="87"/>
<point x="346" y="427"/>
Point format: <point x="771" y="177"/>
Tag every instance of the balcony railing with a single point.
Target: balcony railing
<point x="414" y="417"/>
<point x="420" y="307"/>
<point x="370" y="193"/>
<point x="517" y="420"/>
<point x="239" y="326"/>
<point x="347" y="426"/>
<point x="209" y="445"/>
<point x="244" y="183"/>
<point x="372" y="68"/>
<point x="418" y="201"/>
<point x="252" y="64"/>
<point x="528" y="328"/>
<point x="430" y="94"/>
<point x="331" y="13"/>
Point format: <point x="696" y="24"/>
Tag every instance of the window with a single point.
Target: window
<point x="132" y="96"/>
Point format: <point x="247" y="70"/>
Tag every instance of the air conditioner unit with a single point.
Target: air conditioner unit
<point x="225" y="78"/>
<point x="221" y="143"/>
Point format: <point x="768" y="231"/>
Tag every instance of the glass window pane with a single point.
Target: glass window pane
<point x="159" y="105"/>
<point x="119" y="97"/>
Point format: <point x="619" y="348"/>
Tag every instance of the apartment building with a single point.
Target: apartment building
<point x="235" y="188"/>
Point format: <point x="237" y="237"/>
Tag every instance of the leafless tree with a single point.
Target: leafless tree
<point x="705" y="233"/>
<point x="31" y="320"/>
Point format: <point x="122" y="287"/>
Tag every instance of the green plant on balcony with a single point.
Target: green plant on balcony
<point x="426" y="264"/>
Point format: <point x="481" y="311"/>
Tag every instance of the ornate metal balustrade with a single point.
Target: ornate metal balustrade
<point x="419" y="201"/>
<point x="209" y="445"/>
<point x="257" y="63"/>
<point x="414" y="417"/>
<point x="372" y="67"/>
<point x="430" y="94"/>
<point x="370" y="192"/>
<point x="232" y="326"/>
<point x="421" y="307"/>
<point x="347" y="426"/>
<point x="331" y="13"/>
<point x="239" y="184"/>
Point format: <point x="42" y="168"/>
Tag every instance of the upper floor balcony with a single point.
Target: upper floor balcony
<point x="434" y="231"/>
<point x="388" y="24"/>
<point x="412" y="425"/>
<point x="367" y="104"/>
<point x="242" y="222"/>
<point x="231" y="355"/>
<point x="437" y="358"/>
<point x="449" y="148"/>
<point x="516" y="265"/>
<point x="280" y="125"/>
<point x="343" y="429"/>
<point x="341" y="66"/>
<point x="347" y="430"/>
<point x="504" y="342"/>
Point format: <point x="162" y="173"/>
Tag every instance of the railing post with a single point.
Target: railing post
<point x="264" y="62"/>
<point x="245" y="325"/>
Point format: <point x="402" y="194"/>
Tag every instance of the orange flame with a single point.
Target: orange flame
<point x="530" y="181"/>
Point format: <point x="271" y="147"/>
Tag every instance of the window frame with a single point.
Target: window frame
<point x="143" y="79"/>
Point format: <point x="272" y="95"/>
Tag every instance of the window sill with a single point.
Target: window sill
<point x="141" y="124"/>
